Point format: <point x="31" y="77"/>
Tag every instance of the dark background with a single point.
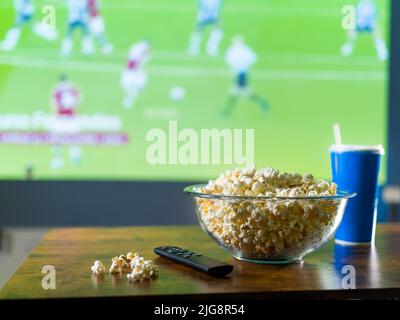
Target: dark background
<point x="393" y="154"/>
<point x="95" y="203"/>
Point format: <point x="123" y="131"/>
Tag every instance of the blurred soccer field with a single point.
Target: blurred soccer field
<point x="300" y="71"/>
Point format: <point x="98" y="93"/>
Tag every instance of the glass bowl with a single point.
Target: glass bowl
<point x="274" y="230"/>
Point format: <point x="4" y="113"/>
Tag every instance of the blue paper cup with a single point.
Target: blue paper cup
<point x="356" y="169"/>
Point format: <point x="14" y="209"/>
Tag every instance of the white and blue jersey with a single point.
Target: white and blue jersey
<point x="208" y="11"/>
<point x="366" y="16"/>
<point x="24" y="10"/>
<point x="240" y="58"/>
<point x="77" y="14"/>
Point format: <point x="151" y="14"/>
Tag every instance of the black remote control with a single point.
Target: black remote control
<point x="197" y="261"/>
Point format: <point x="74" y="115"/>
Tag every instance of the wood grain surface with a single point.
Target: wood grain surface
<point x="73" y="251"/>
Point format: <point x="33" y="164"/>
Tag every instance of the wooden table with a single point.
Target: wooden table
<point x="72" y="252"/>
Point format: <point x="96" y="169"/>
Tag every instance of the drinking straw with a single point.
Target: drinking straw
<point x="336" y="134"/>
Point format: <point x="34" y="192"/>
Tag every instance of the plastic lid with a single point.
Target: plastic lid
<point x="357" y="148"/>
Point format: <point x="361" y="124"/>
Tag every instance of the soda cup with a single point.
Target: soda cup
<point x="356" y="169"/>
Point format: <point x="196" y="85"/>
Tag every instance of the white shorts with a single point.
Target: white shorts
<point x="97" y="26"/>
<point x="133" y="80"/>
<point x="26" y="10"/>
<point x="208" y="17"/>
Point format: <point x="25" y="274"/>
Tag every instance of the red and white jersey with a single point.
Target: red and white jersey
<point x="93" y="8"/>
<point x="139" y="53"/>
<point x="66" y="99"/>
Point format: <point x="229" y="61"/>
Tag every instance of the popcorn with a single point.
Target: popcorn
<point x="130" y="256"/>
<point x="124" y="264"/>
<point x="114" y="265"/>
<point x="142" y="269"/>
<point x="98" y="268"/>
<point x="134" y="264"/>
<point x="120" y="264"/>
<point x="271" y="228"/>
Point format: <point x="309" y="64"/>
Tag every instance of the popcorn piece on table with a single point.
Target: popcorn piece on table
<point x="98" y="268"/>
<point x="114" y="265"/>
<point x="136" y="260"/>
<point x="124" y="264"/>
<point x="130" y="256"/>
<point x="142" y="269"/>
<point x="120" y="264"/>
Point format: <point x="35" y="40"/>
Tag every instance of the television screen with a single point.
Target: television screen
<point x="183" y="89"/>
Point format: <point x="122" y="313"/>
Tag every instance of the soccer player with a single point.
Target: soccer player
<point x="24" y="10"/>
<point x="97" y="26"/>
<point x="208" y="15"/>
<point x="134" y="77"/>
<point x="77" y="19"/>
<point x="65" y="100"/>
<point x="240" y="58"/>
<point x="366" y="22"/>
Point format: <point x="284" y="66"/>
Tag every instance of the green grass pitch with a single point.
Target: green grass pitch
<point x="300" y="71"/>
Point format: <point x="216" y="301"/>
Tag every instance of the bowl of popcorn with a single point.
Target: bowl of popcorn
<point x="268" y="216"/>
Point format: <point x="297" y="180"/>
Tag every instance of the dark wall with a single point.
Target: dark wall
<point x="393" y="154"/>
<point x="94" y="203"/>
